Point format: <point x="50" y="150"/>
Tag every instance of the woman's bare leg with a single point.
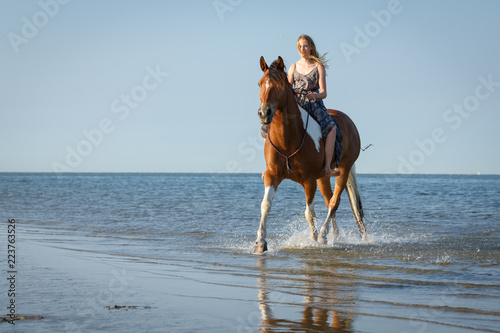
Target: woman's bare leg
<point x="329" y="150"/>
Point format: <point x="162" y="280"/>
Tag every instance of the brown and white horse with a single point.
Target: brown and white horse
<point x="294" y="150"/>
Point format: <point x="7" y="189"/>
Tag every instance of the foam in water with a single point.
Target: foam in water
<point x="444" y="259"/>
<point x="301" y="239"/>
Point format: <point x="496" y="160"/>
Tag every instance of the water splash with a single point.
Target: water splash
<point x="301" y="239"/>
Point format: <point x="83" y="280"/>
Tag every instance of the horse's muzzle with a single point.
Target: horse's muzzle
<point x="265" y="115"/>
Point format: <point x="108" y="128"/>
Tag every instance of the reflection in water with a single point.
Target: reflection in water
<point x="320" y="313"/>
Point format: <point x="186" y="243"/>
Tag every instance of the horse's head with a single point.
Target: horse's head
<point x="273" y="85"/>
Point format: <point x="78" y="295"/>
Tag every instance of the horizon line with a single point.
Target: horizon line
<point x="232" y="173"/>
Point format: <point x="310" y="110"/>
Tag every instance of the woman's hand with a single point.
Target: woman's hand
<point x="312" y="96"/>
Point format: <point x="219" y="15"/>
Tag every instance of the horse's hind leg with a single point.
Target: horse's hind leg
<point x="335" y="228"/>
<point x="333" y="205"/>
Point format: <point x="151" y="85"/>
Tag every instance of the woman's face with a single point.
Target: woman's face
<point x="304" y="47"/>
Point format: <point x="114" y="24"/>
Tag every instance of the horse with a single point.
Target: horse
<point x="294" y="150"/>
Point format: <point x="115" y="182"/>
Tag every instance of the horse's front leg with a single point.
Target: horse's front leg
<point x="265" y="207"/>
<point x="310" y="190"/>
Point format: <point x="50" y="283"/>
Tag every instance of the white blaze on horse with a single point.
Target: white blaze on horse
<point x="294" y="150"/>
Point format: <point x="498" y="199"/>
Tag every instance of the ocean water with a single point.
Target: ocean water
<point x="431" y="262"/>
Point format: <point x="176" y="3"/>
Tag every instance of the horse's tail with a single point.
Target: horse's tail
<point x="355" y="201"/>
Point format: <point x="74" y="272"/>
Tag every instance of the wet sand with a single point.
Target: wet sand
<point x="68" y="290"/>
<point x="64" y="285"/>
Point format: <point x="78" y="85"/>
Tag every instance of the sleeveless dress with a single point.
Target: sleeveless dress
<point x="309" y="83"/>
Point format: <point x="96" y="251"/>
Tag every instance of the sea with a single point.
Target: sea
<point x="431" y="262"/>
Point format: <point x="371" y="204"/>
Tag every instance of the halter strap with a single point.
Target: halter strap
<point x="287" y="158"/>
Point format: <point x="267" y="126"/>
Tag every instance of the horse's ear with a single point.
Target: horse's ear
<point x="263" y="64"/>
<point x="280" y="63"/>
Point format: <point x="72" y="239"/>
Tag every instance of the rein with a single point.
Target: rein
<point x="287" y="158"/>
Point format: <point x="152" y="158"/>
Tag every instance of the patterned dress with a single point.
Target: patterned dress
<point x="309" y="83"/>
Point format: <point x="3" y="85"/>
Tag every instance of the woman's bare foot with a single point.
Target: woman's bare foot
<point x="327" y="172"/>
<point x="334" y="173"/>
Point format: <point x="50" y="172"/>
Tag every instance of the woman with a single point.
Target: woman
<point x="308" y="77"/>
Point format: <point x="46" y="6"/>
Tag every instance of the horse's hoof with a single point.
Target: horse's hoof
<point x="260" y="247"/>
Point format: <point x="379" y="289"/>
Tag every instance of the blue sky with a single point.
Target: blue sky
<point x="171" y="86"/>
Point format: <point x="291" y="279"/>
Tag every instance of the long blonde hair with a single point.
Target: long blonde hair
<point x="314" y="53"/>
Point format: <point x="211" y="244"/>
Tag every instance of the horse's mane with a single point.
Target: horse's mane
<point x="278" y="76"/>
